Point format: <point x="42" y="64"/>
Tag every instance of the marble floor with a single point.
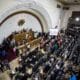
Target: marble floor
<point x="4" y="75"/>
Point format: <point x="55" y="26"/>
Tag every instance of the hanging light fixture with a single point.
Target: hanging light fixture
<point x="77" y="19"/>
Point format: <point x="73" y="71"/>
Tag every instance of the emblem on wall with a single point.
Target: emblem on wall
<point x="21" y="22"/>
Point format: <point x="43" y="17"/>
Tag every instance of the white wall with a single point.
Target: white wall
<point x="49" y="5"/>
<point x="11" y="25"/>
<point x="67" y="14"/>
<point x="54" y="12"/>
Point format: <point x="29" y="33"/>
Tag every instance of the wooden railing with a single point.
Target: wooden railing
<point x="28" y="36"/>
<point x="32" y="44"/>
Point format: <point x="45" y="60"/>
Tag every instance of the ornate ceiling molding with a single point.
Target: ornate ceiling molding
<point x="32" y="7"/>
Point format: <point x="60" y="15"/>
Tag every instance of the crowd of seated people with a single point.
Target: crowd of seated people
<point x="62" y="66"/>
<point x="51" y="60"/>
<point x="7" y="47"/>
<point x="18" y="38"/>
<point x="4" y="62"/>
<point x="56" y="58"/>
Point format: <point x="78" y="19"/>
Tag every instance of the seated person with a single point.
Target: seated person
<point x="47" y="67"/>
<point x="6" y="64"/>
<point x="73" y="76"/>
<point x="1" y="66"/>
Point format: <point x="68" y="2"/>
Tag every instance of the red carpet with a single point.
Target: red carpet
<point x="11" y="55"/>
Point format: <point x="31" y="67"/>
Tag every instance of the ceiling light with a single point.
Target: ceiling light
<point x="77" y="19"/>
